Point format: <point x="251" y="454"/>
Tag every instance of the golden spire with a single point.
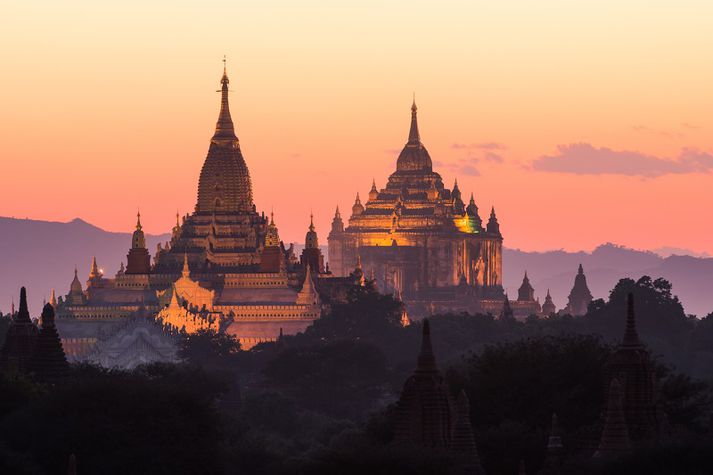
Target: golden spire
<point x="186" y="272"/>
<point x="94" y="270"/>
<point x="53" y="299"/>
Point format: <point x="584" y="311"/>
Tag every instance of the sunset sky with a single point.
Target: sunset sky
<point x="583" y="122"/>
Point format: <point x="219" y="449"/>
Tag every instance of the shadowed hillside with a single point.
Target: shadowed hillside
<point x="41" y="255"/>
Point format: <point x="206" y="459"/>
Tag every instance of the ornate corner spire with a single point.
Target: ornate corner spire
<point x="53" y="299"/>
<point x="186" y="272"/>
<point x="224" y="129"/>
<point x="580" y="270"/>
<point x="94" y="270"/>
<point x="138" y="220"/>
<point x="414" y="138"/>
<point x="337" y="214"/>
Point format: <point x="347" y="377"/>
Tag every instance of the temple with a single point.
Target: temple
<point x="580" y="296"/>
<point x="426" y="417"/>
<point x="419" y="238"/>
<point x="37" y="352"/>
<point x="631" y="366"/>
<point x="224" y="269"/>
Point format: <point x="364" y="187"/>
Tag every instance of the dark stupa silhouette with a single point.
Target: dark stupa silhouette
<point x="49" y="362"/>
<point x="16" y="353"/>
<point x="423" y="415"/>
<point x="631" y="366"/>
<point x="463" y="439"/>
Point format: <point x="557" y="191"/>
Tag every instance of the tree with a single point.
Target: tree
<point x="210" y="349"/>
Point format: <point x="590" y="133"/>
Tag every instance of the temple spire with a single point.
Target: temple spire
<point x="224" y="130"/>
<point x="426" y="358"/>
<point x="94" y="270"/>
<point x="138" y="221"/>
<point x="23" y="314"/>
<point x="631" y="336"/>
<point x="414" y="138"/>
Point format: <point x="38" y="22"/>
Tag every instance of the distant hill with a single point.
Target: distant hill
<point x="41" y="255"/>
<point x="692" y="277"/>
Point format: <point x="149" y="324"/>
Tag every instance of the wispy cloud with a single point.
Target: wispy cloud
<point x="479" y="146"/>
<point x="585" y="159"/>
<point x="657" y="132"/>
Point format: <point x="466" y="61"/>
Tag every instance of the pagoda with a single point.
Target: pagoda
<point x="423" y="414"/>
<point x="224" y="269"/>
<point x="580" y="296"/>
<point x="16" y="353"/>
<point x="49" y="362"/>
<point x="421" y="238"/>
<point x="631" y="365"/>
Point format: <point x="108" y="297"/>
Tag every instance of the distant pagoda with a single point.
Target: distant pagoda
<point x="548" y="308"/>
<point x="580" y="296"/>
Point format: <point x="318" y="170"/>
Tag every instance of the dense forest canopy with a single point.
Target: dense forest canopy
<point x="323" y="401"/>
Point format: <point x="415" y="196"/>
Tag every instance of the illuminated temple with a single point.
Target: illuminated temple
<point x="224" y="268"/>
<point x="420" y="239"/>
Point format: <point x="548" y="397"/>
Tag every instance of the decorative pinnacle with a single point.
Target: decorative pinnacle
<point x="311" y="221"/>
<point x="138" y="220"/>
<point x="414" y="138"/>
<point x="224" y="129"/>
<point x="186" y="272"/>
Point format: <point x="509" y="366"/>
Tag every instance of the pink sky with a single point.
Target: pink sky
<point x="581" y="124"/>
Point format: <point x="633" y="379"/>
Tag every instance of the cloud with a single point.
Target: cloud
<point x="494" y="157"/>
<point x="469" y="170"/>
<point x="660" y="133"/>
<point x="479" y="146"/>
<point x="585" y="159"/>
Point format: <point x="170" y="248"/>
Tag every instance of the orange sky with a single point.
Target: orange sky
<point x="106" y="108"/>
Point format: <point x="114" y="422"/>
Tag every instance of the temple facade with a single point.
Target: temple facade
<point x="421" y="239"/>
<point x="224" y="269"/>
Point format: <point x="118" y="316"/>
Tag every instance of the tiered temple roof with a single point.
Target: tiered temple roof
<point x="615" y="435"/>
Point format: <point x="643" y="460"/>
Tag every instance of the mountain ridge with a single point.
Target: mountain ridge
<point x="41" y="255"/>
